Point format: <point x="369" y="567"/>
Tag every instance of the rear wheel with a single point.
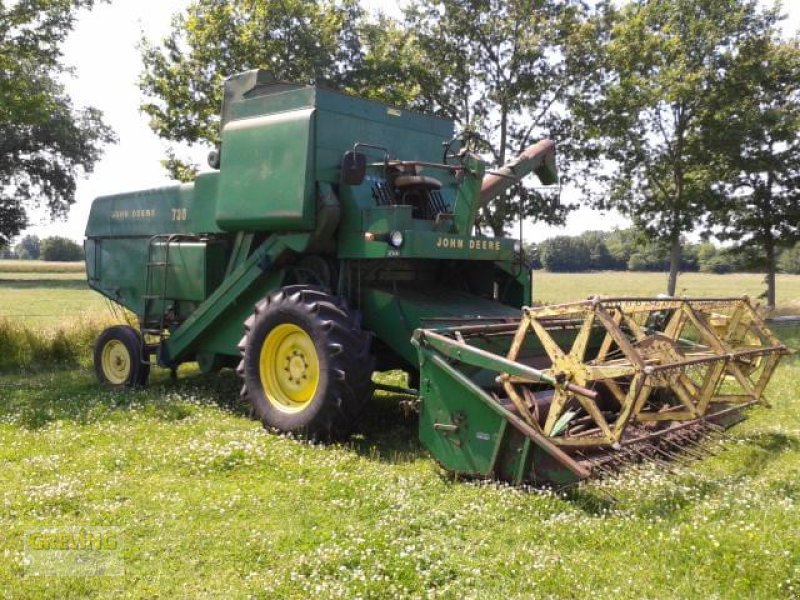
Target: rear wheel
<point x="118" y="358"/>
<point x="306" y="363"/>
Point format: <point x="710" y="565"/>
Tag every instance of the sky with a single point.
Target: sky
<point x="103" y="51"/>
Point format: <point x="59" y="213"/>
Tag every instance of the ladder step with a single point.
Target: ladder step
<point x="157" y="264"/>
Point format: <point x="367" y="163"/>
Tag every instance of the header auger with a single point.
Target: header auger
<point x="331" y="230"/>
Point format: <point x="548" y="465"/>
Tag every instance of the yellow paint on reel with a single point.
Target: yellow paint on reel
<point x="116" y="362"/>
<point x="289" y="368"/>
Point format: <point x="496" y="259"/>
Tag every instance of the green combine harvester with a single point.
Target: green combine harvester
<point x="336" y="236"/>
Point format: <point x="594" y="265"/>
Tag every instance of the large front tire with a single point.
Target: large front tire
<point x="306" y="363"/>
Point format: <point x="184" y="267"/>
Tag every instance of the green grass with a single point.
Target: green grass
<point x="49" y="319"/>
<point x="209" y="505"/>
<point x="65" y="345"/>
<point x="48" y="299"/>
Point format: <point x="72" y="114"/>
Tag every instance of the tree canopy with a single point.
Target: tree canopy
<point x="678" y="113"/>
<point x="29" y="248"/>
<point x="61" y="249"/>
<point x="498" y="68"/>
<point x="656" y="69"/>
<point x="296" y="40"/>
<point x="757" y="143"/>
<point x="500" y="75"/>
<point x="45" y="142"/>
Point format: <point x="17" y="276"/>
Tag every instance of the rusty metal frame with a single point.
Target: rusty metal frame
<point x="731" y="346"/>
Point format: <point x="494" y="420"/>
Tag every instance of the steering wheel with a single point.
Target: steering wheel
<point x="448" y="154"/>
<point x="470" y="140"/>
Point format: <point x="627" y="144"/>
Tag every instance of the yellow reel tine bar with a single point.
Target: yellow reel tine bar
<point x="651" y="360"/>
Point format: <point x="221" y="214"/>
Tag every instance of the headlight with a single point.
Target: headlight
<point x="517" y="246"/>
<point x="396" y="238"/>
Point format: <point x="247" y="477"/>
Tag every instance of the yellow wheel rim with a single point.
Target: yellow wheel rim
<point x="289" y="368"/>
<point x="116" y="362"/>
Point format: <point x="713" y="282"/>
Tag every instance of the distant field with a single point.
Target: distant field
<point x="44" y="299"/>
<point x="40" y="266"/>
<point x="549" y="288"/>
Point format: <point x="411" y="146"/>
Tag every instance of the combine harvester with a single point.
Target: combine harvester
<point x="335" y="235"/>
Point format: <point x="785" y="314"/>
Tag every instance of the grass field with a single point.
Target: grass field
<point x="40" y="266"/>
<point x="208" y="505"/>
<point x="46" y="299"/>
<point x="550" y="288"/>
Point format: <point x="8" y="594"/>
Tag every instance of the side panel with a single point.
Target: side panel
<point x="195" y="270"/>
<point x="184" y="209"/>
<point x="401" y="133"/>
<point x="266" y="177"/>
<point x="224" y="335"/>
<point x="117" y="268"/>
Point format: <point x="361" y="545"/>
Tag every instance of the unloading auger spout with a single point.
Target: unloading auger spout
<point x="539" y="158"/>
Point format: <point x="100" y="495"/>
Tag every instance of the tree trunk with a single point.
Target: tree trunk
<point x="769" y="251"/>
<point x="767" y="216"/>
<point x="503" y="134"/>
<point x="501" y="203"/>
<point x="498" y="228"/>
<point x="674" y="264"/>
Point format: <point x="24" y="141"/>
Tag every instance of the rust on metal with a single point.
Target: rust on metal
<point x="659" y="362"/>
<point x="607" y="381"/>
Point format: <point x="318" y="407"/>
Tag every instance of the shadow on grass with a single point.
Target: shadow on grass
<point x="761" y="449"/>
<point x="788" y="333"/>
<point x="383" y="433"/>
<point x="35" y="400"/>
<point x="386" y="433"/>
<point x="592" y="501"/>
<point x="677" y="497"/>
<point x="775" y="441"/>
<point x="221" y="389"/>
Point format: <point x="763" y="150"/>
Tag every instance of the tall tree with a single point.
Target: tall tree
<point x="653" y="69"/>
<point x="497" y="67"/>
<point x="45" y="142"/>
<point x="757" y="123"/>
<point x="297" y="40"/>
<point x="29" y="247"/>
<point x="391" y="66"/>
<point x="61" y="249"/>
<point x="500" y="75"/>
